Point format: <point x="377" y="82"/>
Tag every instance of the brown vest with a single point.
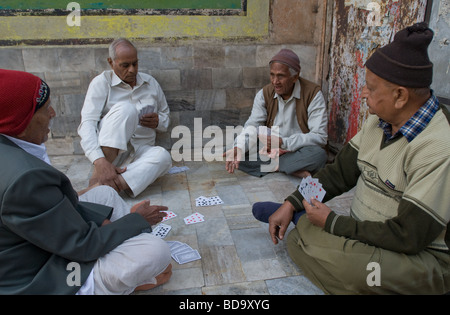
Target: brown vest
<point x="309" y="90"/>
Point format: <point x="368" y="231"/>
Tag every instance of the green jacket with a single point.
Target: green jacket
<point x="43" y="227"/>
<point x="408" y="217"/>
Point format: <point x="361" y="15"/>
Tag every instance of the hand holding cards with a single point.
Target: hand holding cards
<point x="311" y="188"/>
<point x="147" y="109"/>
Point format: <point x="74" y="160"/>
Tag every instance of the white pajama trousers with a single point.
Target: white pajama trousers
<point x="135" y="262"/>
<point x="120" y="129"/>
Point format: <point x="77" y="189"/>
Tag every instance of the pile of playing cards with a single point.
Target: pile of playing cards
<point x="194" y="218"/>
<point x="203" y="201"/>
<point x="311" y="188"/>
<point x="161" y="230"/>
<point x="182" y="253"/>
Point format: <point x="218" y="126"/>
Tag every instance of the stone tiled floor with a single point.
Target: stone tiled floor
<point x="238" y="256"/>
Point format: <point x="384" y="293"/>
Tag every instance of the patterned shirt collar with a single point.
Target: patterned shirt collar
<point x="416" y="124"/>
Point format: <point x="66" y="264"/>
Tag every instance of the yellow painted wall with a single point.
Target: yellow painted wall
<point x="55" y="28"/>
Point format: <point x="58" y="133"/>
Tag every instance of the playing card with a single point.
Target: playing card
<point x="201" y="201"/>
<point x="208" y="201"/>
<point x="178" y="169"/>
<point x="182" y="253"/>
<point x="186" y="257"/>
<point x="194" y="218"/>
<point x="319" y="194"/>
<point x="161" y="230"/>
<point x="173" y="244"/>
<point x="170" y="215"/>
<point x="311" y="188"/>
<point x="147" y="109"/>
<point x="215" y="200"/>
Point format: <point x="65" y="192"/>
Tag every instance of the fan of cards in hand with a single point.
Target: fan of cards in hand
<point x="311" y="188"/>
<point x="147" y="109"/>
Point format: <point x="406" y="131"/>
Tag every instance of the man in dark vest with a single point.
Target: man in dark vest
<point x="289" y="117"/>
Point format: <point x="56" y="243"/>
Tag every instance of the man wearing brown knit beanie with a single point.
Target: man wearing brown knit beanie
<point x="289" y="122"/>
<point x="396" y="239"/>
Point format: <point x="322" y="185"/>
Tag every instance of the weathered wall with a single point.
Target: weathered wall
<point x="440" y="48"/>
<point x="355" y="37"/>
<point x="209" y="66"/>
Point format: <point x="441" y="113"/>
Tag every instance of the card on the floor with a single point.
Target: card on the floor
<point x="311" y="188"/>
<point x="203" y="201"/>
<point x="178" y="169"/>
<point x="194" y="218"/>
<point x="182" y="253"/>
<point x="186" y="257"/>
<point x="215" y="200"/>
<point x="161" y="230"/>
<point x="170" y="215"/>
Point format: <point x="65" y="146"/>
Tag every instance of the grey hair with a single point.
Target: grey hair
<point x="115" y="43"/>
<point x="292" y="71"/>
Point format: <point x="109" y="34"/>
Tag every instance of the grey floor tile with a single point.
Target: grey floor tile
<point x="221" y="265"/>
<point x="232" y="195"/>
<point x="243" y="288"/>
<point x="263" y="269"/>
<point x="298" y="285"/>
<point x="253" y="244"/>
<point x="214" y="231"/>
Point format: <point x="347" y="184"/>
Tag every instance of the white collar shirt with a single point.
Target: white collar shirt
<point x="106" y="90"/>
<point x="286" y="121"/>
<point x="39" y="151"/>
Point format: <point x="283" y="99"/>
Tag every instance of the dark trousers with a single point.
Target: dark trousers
<point x="263" y="210"/>
<point x="310" y="158"/>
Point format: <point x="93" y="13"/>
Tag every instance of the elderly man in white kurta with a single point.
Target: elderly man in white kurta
<point x="123" y="111"/>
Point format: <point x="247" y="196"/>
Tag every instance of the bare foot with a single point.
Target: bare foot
<point x="160" y="279"/>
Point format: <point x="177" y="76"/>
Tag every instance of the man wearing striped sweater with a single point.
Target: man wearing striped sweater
<point x="396" y="239"/>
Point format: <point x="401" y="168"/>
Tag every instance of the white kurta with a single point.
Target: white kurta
<point x="110" y="118"/>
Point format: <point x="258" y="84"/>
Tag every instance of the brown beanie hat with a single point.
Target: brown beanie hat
<point x="405" y="61"/>
<point x="289" y="58"/>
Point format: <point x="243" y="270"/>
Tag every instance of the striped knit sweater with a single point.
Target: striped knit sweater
<point x="402" y="197"/>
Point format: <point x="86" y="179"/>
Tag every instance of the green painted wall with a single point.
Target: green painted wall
<point x="42" y="29"/>
<point x="120" y="4"/>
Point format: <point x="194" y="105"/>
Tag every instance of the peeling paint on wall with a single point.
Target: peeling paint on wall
<point x="440" y="47"/>
<point x="353" y="42"/>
